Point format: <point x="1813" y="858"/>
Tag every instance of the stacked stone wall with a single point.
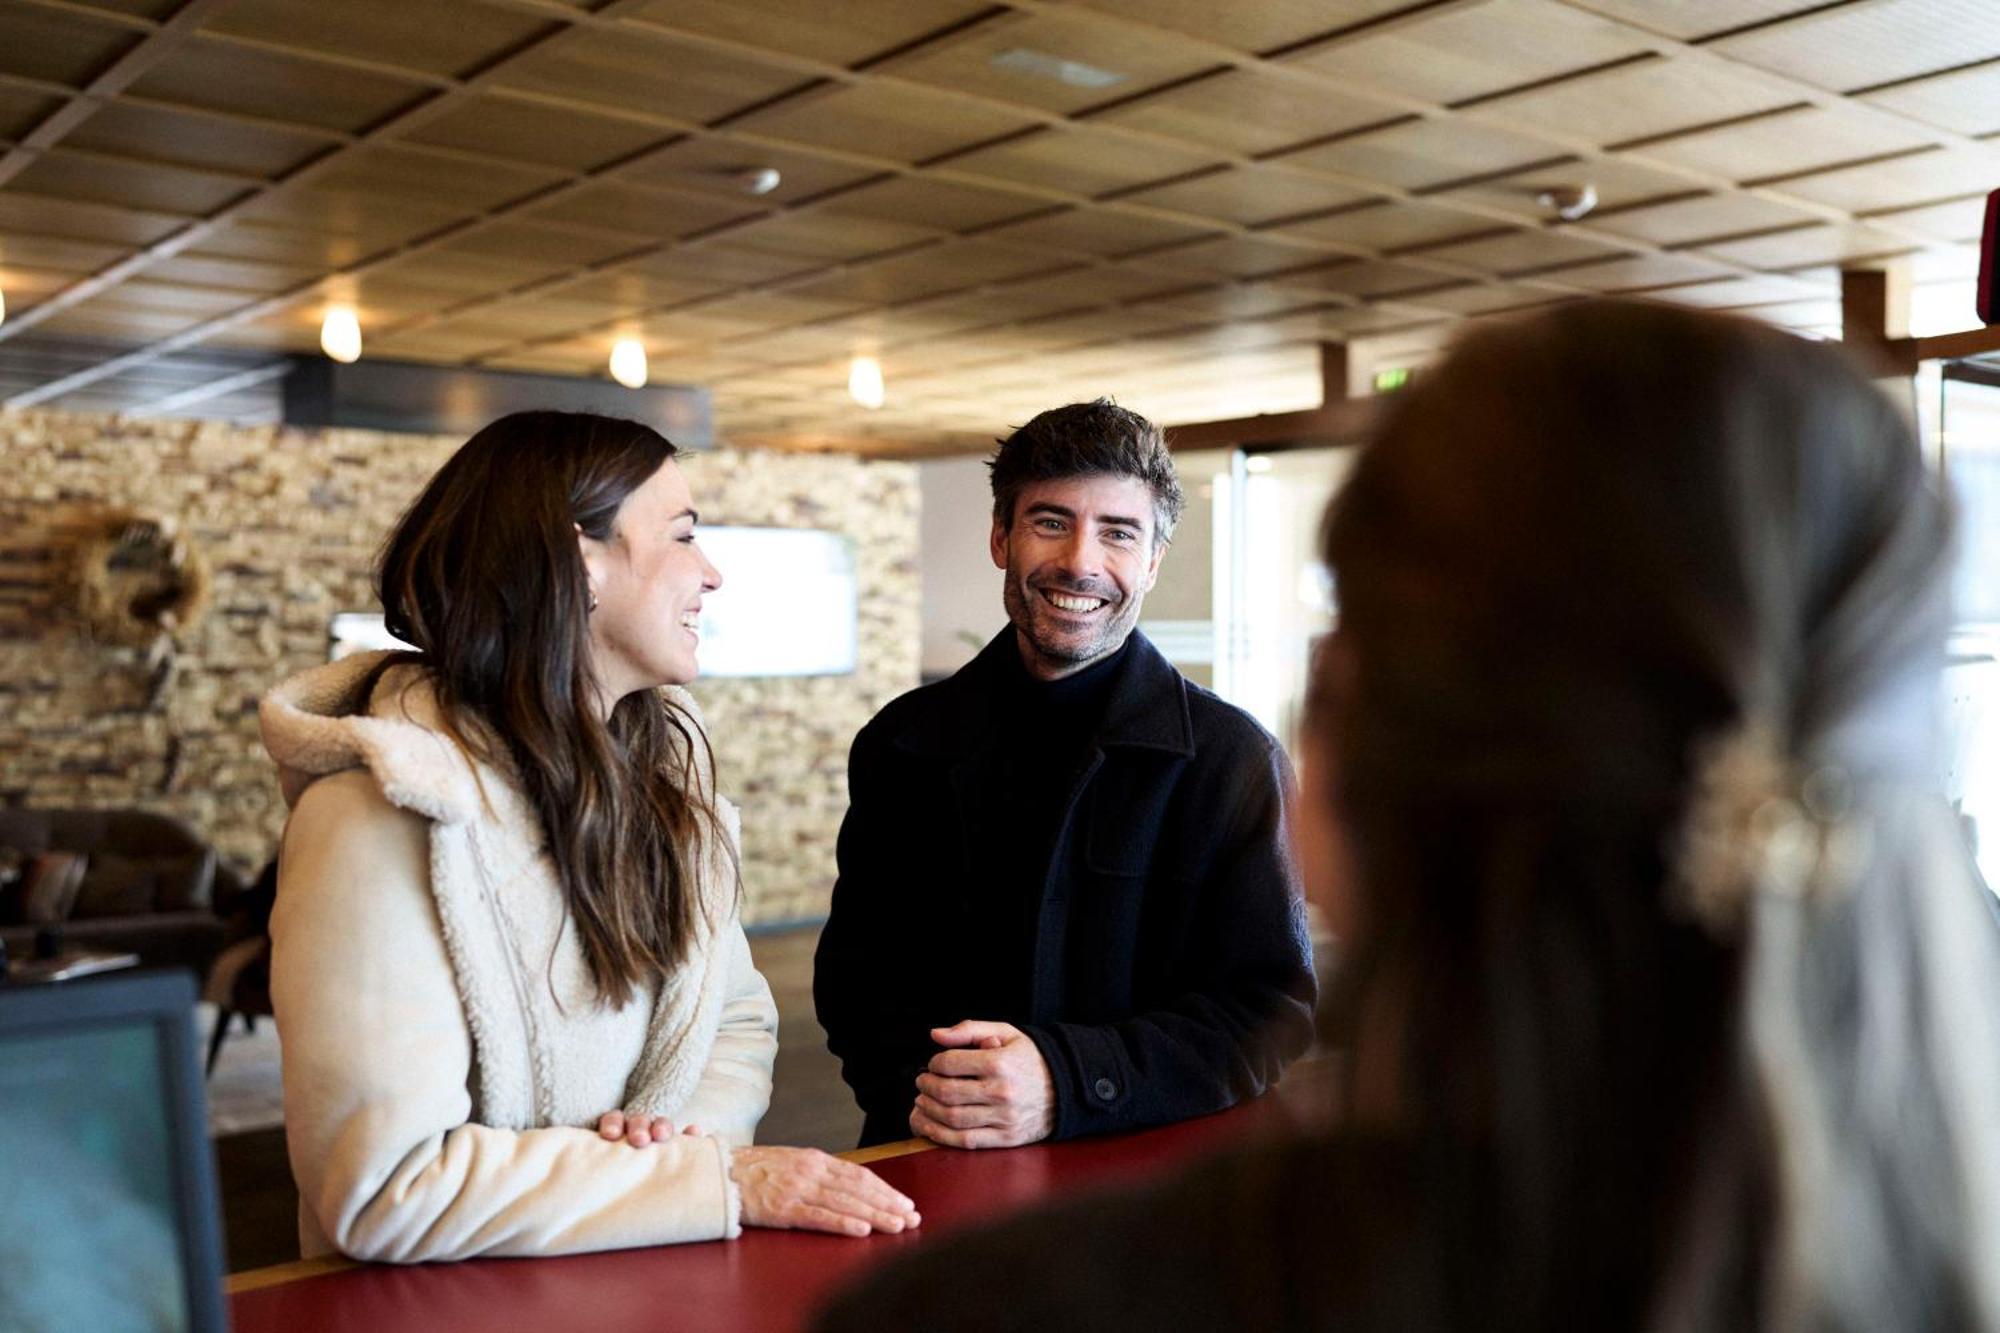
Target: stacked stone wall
<point x="290" y="523"/>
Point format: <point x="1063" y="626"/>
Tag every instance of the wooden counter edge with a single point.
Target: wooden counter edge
<point x="298" y="1269"/>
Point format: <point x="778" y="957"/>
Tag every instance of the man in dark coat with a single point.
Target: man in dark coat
<point x="1066" y="903"/>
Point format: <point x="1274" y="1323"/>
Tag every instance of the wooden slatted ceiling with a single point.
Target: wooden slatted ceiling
<point x="1177" y="216"/>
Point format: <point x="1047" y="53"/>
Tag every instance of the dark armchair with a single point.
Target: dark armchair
<point x="148" y="884"/>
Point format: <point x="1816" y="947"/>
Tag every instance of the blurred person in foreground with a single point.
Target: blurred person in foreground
<point x="1669" y="997"/>
<point x="518" y="1010"/>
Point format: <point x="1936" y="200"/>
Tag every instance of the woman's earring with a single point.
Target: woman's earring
<point x="593" y="599"/>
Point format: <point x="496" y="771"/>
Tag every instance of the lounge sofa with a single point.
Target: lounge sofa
<point x="146" y="884"/>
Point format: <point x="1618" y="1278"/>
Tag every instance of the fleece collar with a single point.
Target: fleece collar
<point x="328" y="719"/>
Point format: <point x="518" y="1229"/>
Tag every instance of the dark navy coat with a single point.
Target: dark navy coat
<point x="1172" y="974"/>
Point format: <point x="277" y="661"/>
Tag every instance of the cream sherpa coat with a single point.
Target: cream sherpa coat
<point x="445" y="1056"/>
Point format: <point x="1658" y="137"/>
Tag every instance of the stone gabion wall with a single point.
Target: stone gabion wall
<point x="291" y="521"/>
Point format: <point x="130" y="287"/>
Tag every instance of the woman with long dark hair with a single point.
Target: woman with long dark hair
<point x="1667" y="995"/>
<point x="518" y="1009"/>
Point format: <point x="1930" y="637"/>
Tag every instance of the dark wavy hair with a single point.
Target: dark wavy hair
<point x="1098" y="438"/>
<point x="1590" y="542"/>
<point x="484" y="577"/>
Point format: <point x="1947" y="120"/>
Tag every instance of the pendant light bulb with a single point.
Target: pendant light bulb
<point x="340" y="335"/>
<point x="864" y="382"/>
<point x="628" y="363"/>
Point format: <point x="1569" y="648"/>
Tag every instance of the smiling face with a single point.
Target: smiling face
<point x="649" y="578"/>
<point x="1080" y="557"/>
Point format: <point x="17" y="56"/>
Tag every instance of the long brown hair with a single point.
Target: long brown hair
<point x="483" y="575"/>
<point x="1589" y="541"/>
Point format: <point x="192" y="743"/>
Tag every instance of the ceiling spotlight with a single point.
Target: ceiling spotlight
<point x="628" y="363"/>
<point x="864" y="382"/>
<point x="758" y="180"/>
<point x="340" y="335"/>
<point x="1568" y="202"/>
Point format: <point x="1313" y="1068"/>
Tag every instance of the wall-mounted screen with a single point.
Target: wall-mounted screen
<point x="787" y="606"/>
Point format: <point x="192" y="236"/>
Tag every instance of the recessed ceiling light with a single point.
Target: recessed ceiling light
<point x="1023" y="60"/>
<point x="340" y="335"/>
<point x="628" y="363"/>
<point x="864" y="382"/>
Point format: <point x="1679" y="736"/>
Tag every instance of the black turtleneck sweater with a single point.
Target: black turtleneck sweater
<point x="1044" y="731"/>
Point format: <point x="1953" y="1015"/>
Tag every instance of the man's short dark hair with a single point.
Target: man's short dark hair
<point x="1088" y="439"/>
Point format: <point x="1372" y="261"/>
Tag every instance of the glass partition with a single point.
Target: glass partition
<point x="1968" y="455"/>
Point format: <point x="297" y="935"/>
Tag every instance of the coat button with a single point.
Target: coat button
<point x="1105" y="1089"/>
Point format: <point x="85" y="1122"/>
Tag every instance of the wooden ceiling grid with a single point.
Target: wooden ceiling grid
<point x="513" y="182"/>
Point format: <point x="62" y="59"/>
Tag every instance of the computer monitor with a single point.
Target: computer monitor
<point x="108" y="1216"/>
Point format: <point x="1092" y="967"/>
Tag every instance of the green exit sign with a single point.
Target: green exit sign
<point x="1388" y="381"/>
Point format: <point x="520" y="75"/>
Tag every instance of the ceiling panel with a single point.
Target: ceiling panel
<point x="1263" y="26"/>
<point x="246" y="277"/>
<point x="1055" y="61"/>
<point x="661" y="214"/>
<point x="541" y="135"/>
<point x="65" y="173"/>
<point x="630" y="69"/>
<point x="1252" y="111"/>
<point x="188" y="139"/>
<point x="59" y="252"/>
<point x="41" y="44"/>
<point x="1637" y="101"/>
<point x="225" y="76"/>
<point x="1084" y="162"/>
<point x="826" y="237"/>
<point x="1919" y="178"/>
<point x="1388" y="226"/>
<point x="897" y="122"/>
<point x="1809" y="245"/>
<point x="1694" y="19"/>
<point x="1703" y="217"/>
<point x="950" y="205"/>
<point x="448" y="40"/>
<point x="1426" y="154"/>
<point x="1362" y="277"/>
<point x="1784" y="144"/>
<point x="1521" y="251"/>
<point x="1734" y="293"/>
<point x="1618" y="183"/>
<point x="1165" y="213"/>
<point x="1966" y="101"/>
<point x="402" y="175"/>
<point x="1957" y="220"/>
<point x="1250" y="195"/>
<point x="840" y="32"/>
<point x="714" y="165"/>
<point x="944" y="268"/>
<point x="22" y="109"/>
<point x="1850" y="46"/>
<point x="1236" y="257"/>
<point x="145" y="9"/>
<point x="1100" y="232"/>
<point x="529" y="241"/>
<point x="32" y="214"/>
<point x="1638" y="272"/>
<point x="1473" y="50"/>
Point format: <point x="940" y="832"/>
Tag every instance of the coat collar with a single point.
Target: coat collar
<point x="1148" y="708"/>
